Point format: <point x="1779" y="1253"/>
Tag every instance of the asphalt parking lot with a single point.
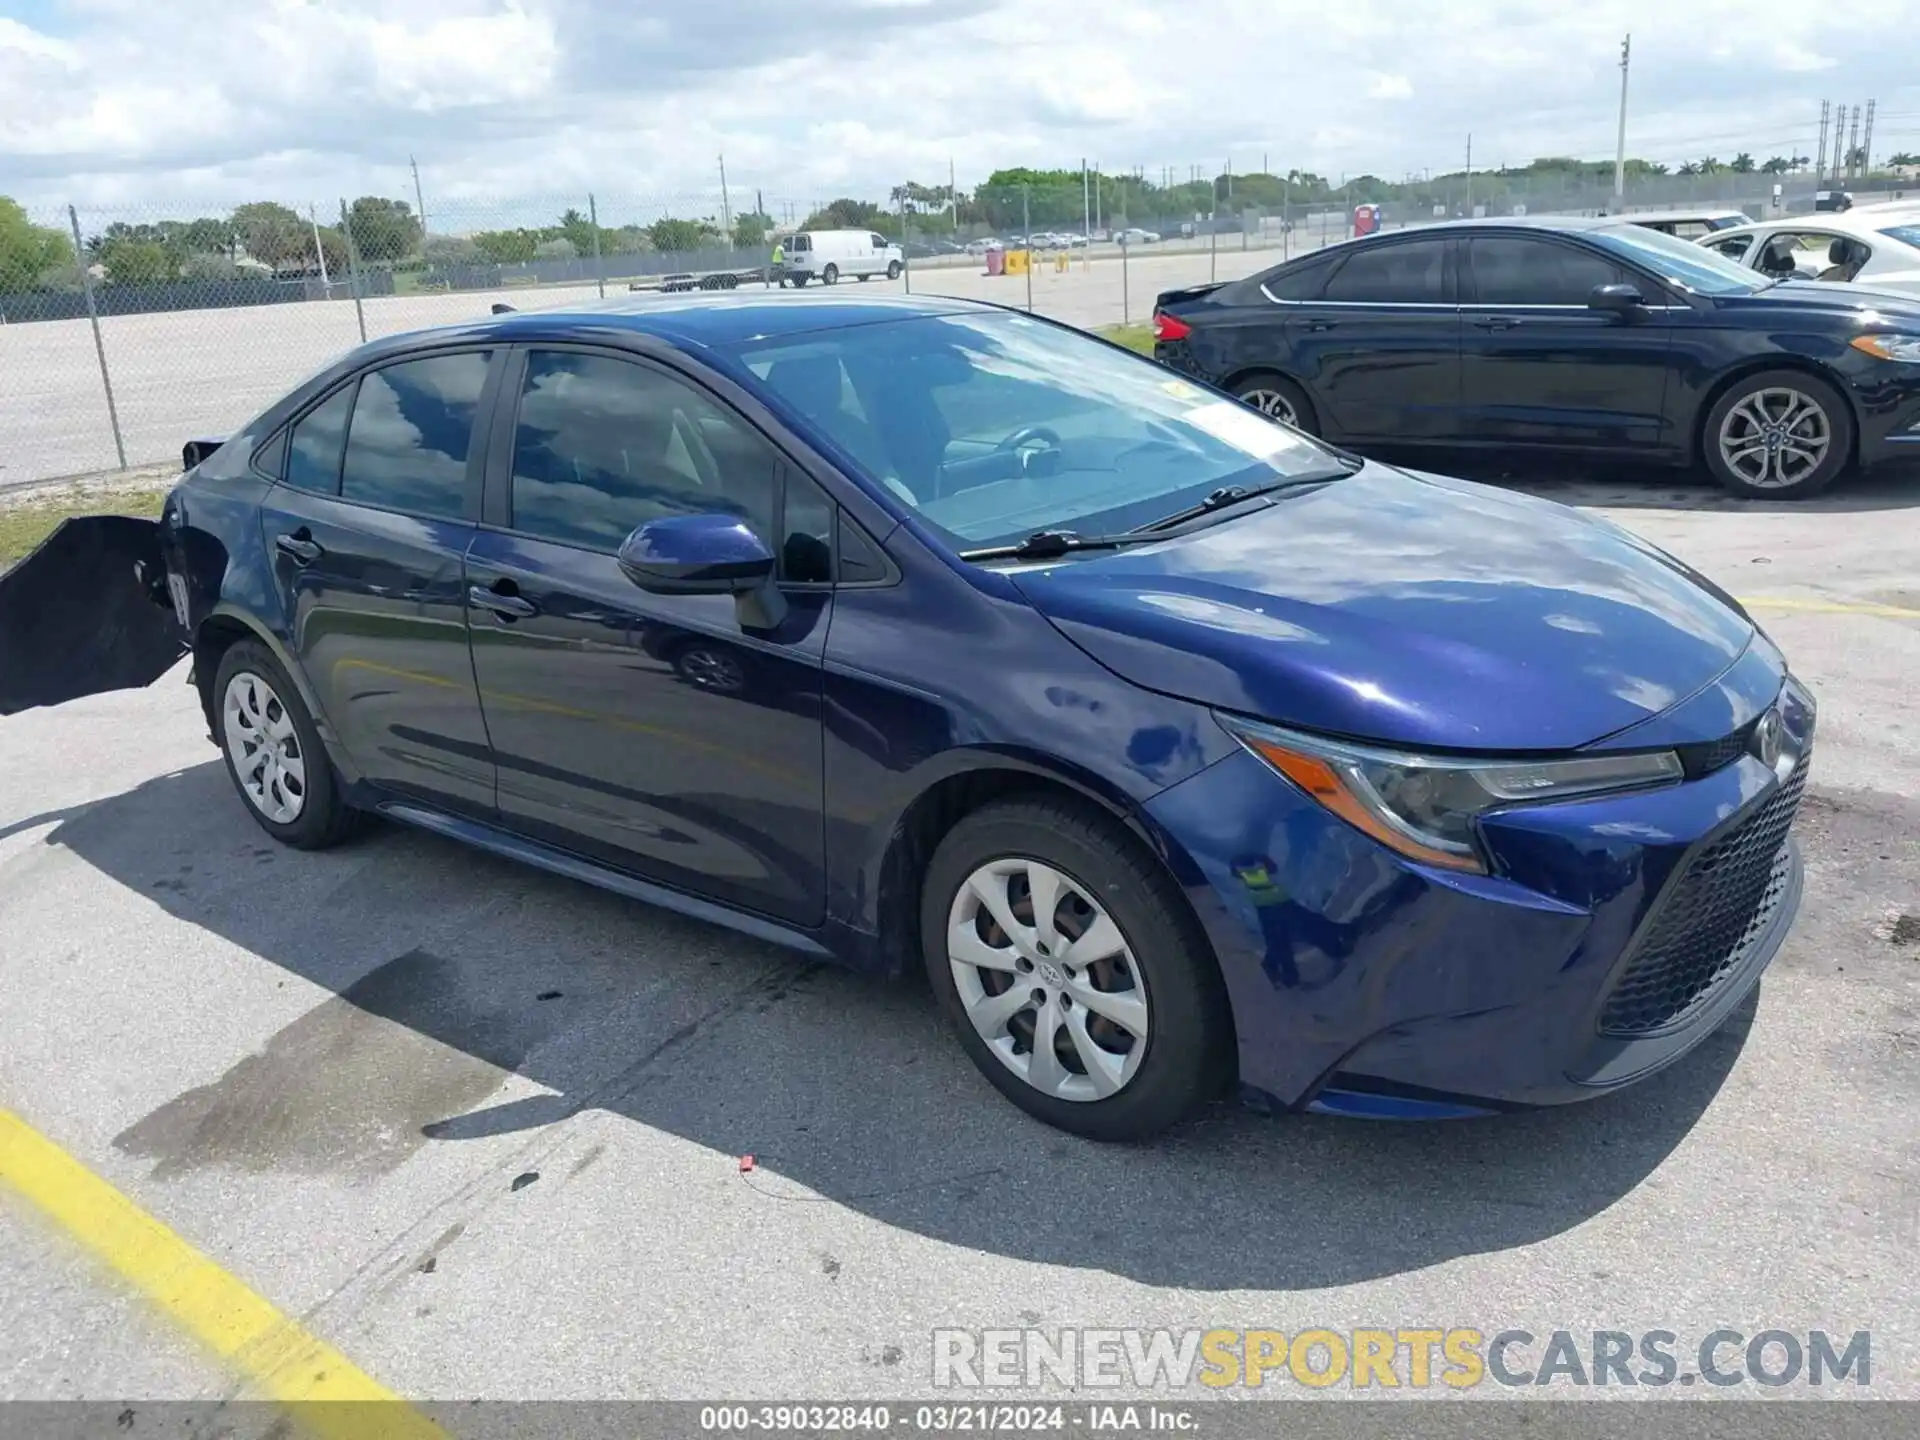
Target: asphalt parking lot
<point x="479" y="1130"/>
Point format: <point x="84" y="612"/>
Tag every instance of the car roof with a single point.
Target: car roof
<point x="701" y="319"/>
<point x="1850" y="222"/>
<point x="1642" y="217"/>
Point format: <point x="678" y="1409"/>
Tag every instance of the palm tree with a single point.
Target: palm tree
<point x="1742" y="164"/>
<point x="1690" y="168"/>
<point x="1777" y="165"/>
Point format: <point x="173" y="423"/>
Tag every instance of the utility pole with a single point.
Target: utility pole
<point x="1469" y="175"/>
<point x="1866" y="142"/>
<point x="1086" y="222"/>
<point x="1620" y="146"/>
<point x="726" y="211"/>
<point x="1820" y="163"/>
<point x="418" y="202"/>
<point x="1853" y="139"/>
<point x="319" y="250"/>
<point x="1839" y="140"/>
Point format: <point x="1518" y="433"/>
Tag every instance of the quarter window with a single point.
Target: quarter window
<point x="1407" y="273"/>
<point x="412" y="427"/>
<point x="1512" y="270"/>
<point x="313" y="458"/>
<point x="604" y="445"/>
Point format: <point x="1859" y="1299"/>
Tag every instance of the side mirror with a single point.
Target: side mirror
<point x="710" y="554"/>
<point x="1616" y="299"/>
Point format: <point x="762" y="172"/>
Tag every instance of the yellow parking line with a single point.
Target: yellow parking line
<point x="279" y="1359"/>
<point x="1830" y="607"/>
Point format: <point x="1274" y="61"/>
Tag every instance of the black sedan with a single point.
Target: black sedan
<point x="1596" y="335"/>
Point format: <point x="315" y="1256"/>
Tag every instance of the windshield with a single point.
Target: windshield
<point x="994" y="426"/>
<point x="1680" y="262"/>
<point x="1905" y="234"/>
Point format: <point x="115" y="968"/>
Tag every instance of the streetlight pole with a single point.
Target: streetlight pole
<point x="1620" y="149"/>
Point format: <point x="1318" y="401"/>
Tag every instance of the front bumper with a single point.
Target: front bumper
<point x="86" y="612"/>
<point x="1619" y="934"/>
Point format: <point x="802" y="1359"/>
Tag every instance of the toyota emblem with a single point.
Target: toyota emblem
<point x="1768" y="738"/>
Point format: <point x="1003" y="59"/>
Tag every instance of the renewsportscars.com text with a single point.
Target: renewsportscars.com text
<point x="1389" y="1359"/>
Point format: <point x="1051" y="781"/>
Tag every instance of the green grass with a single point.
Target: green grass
<point x="25" y="525"/>
<point x="1134" y="337"/>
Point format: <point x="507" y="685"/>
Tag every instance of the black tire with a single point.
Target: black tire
<point x="325" y="818"/>
<point x="830" y="275"/>
<point x="1248" y="386"/>
<point x="893" y="269"/>
<point x="1833" y="406"/>
<point x="1189" y="1057"/>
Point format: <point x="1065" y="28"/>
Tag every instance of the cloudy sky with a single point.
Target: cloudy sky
<point x="186" y="103"/>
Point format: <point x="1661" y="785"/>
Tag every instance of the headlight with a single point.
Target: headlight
<point x="1427" y="807"/>
<point x="1889" y="347"/>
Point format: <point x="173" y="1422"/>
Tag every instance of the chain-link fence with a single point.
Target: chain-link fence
<point x="125" y="332"/>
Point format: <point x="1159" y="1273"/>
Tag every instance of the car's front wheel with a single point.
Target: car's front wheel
<point x="1778" y="435"/>
<point x="830" y="275"/>
<point x="273" y="751"/>
<point x="1073" y="973"/>
<point x="1279" y="397"/>
<point x="893" y="269"/>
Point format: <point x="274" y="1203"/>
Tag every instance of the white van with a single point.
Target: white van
<point x="826" y="255"/>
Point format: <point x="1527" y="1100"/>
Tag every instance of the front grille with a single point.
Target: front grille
<point x="1711" y="755"/>
<point x="1710" y="920"/>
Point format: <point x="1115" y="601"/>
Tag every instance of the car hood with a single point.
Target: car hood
<point x="1404" y="608"/>
<point x="1863" y="299"/>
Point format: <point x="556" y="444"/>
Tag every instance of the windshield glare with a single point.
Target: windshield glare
<point x="1905" y="234"/>
<point x="995" y="426"/>
<point x="1680" y="262"/>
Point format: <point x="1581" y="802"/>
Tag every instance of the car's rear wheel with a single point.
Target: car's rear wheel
<point x="273" y="751"/>
<point x="830" y="275"/>
<point x="1279" y="397"/>
<point x="1778" y="435"/>
<point x="1076" y="979"/>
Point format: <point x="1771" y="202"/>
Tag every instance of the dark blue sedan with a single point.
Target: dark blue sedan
<point x="1181" y="749"/>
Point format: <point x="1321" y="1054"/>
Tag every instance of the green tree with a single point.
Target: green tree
<point x="1742" y="164"/>
<point x="678" y="236"/>
<point x="137" y="262"/>
<point x="28" y="251"/>
<point x="451" y="250"/>
<point x="578" y="231"/>
<point x="383" y="230"/>
<point x="1905" y="157"/>
<point x="558" y="248"/>
<point x="507" y="247"/>
<point x="1776" y="165"/>
<point x="750" y="231"/>
<point x="273" y="234"/>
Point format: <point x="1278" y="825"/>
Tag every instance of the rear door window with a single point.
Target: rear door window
<point x="1406" y="273"/>
<point x="411" y="432"/>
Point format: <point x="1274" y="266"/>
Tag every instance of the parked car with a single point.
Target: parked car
<point x="826" y="255"/>
<point x="1832" y="200"/>
<point x="1688" y="224"/>
<point x="981" y="246"/>
<point x="1595" y="335"/>
<point x="1875" y="247"/>
<point x="1179" y="748"/>
<point x="1133" y="235"/>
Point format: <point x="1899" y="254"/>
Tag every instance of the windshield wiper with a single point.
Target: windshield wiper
<point x="1233" y="494"/>
<point x="1051" y="544"/>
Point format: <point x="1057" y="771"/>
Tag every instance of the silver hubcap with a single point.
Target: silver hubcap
<point x="1048" y="980"/>
<point x="1775" y="437"/>
<point x="264" y="748"/>
<point x="1273" y="403"/>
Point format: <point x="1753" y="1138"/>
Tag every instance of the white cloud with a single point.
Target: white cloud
<point x="133" y="102"/>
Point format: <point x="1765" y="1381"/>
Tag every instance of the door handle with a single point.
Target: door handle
<point x="1313" y="325"/>
<point x="299" y="547"/>
<point x="1497" y="322"/>
<point x="502" y="604"/>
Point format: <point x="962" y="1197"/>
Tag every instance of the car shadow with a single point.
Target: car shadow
<point x="844" y="1089"/>
<point x="1579" y="480"/>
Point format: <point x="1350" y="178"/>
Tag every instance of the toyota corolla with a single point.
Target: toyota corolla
<point x="1181" y="749"/>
